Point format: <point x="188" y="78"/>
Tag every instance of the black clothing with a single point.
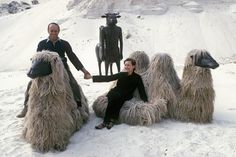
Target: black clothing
<point x="123" y="91"/>
<point x="61" y="47"/>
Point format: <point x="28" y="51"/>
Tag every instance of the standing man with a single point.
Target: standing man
<point x="62" y="47"/>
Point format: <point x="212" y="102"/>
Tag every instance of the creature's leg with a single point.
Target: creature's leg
<point x="111" y="68"/>
<point x="99" y="58"/>
<point x="118" y="65"/>
<point x="99" y="67"/>
<point x="25" y="109"/>
<point x="106" y="67"/>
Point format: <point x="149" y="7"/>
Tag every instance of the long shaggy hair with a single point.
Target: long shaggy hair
<point x="162" y="82"/>
<point x="142" y="61"/>
<point x="137" y="112"/>
<point x="100" y="105"/>
<point x="52" y="115"/>
<point x="197" y="94"/>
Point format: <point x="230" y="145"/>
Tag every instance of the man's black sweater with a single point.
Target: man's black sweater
<point x="61" y="47"/>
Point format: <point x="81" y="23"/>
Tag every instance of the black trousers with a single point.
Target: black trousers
<point x="115" y="102"/>
<point x="74" y="86"/>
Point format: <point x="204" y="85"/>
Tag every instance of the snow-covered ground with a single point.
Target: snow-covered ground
<point x="171" y="26"/>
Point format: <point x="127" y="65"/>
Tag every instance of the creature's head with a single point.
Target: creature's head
<point x="39" y="68"/>
<point x="45" y="63"/>
<point x="111" y="18"/>
<point x="201" y="58"/>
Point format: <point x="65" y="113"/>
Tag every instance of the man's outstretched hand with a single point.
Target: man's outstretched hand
<point x="87" y="75"/>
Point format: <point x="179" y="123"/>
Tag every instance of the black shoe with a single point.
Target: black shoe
<point x="100" y="126"/>
<point x="110" y="125"/>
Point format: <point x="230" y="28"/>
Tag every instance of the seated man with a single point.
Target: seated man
<point x="55" y="44"/>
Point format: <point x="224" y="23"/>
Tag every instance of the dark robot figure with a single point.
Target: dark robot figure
<point x="107" y="49"/>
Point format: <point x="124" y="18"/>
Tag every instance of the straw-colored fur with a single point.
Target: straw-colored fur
<point x="100" y="105"/>
<point x="52" y="115"/>
<point x="142" y="61"/>
<point x="162" y="82"/>
<point x="197" y="93"/>
<point x="137" y="112"/>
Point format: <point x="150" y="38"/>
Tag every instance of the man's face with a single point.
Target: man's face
<point x="53" y="32"/>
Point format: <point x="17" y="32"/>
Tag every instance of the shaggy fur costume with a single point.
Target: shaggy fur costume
<point x="100" y="105"/>
<point x="162" y="82"/>
<point x="52" y="115"/>
<point x="137" y="112"/>
<point x="142" y="61"/>
<point x="197" y="93"/>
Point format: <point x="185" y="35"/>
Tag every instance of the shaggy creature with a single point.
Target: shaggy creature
<point x="197" y="93"/>
<point x="52" y="115"/>
<point x="162" y="82"/>
<point x="135" y="111"/>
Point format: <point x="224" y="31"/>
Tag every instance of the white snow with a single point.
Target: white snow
<point x="169" y="26"/>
